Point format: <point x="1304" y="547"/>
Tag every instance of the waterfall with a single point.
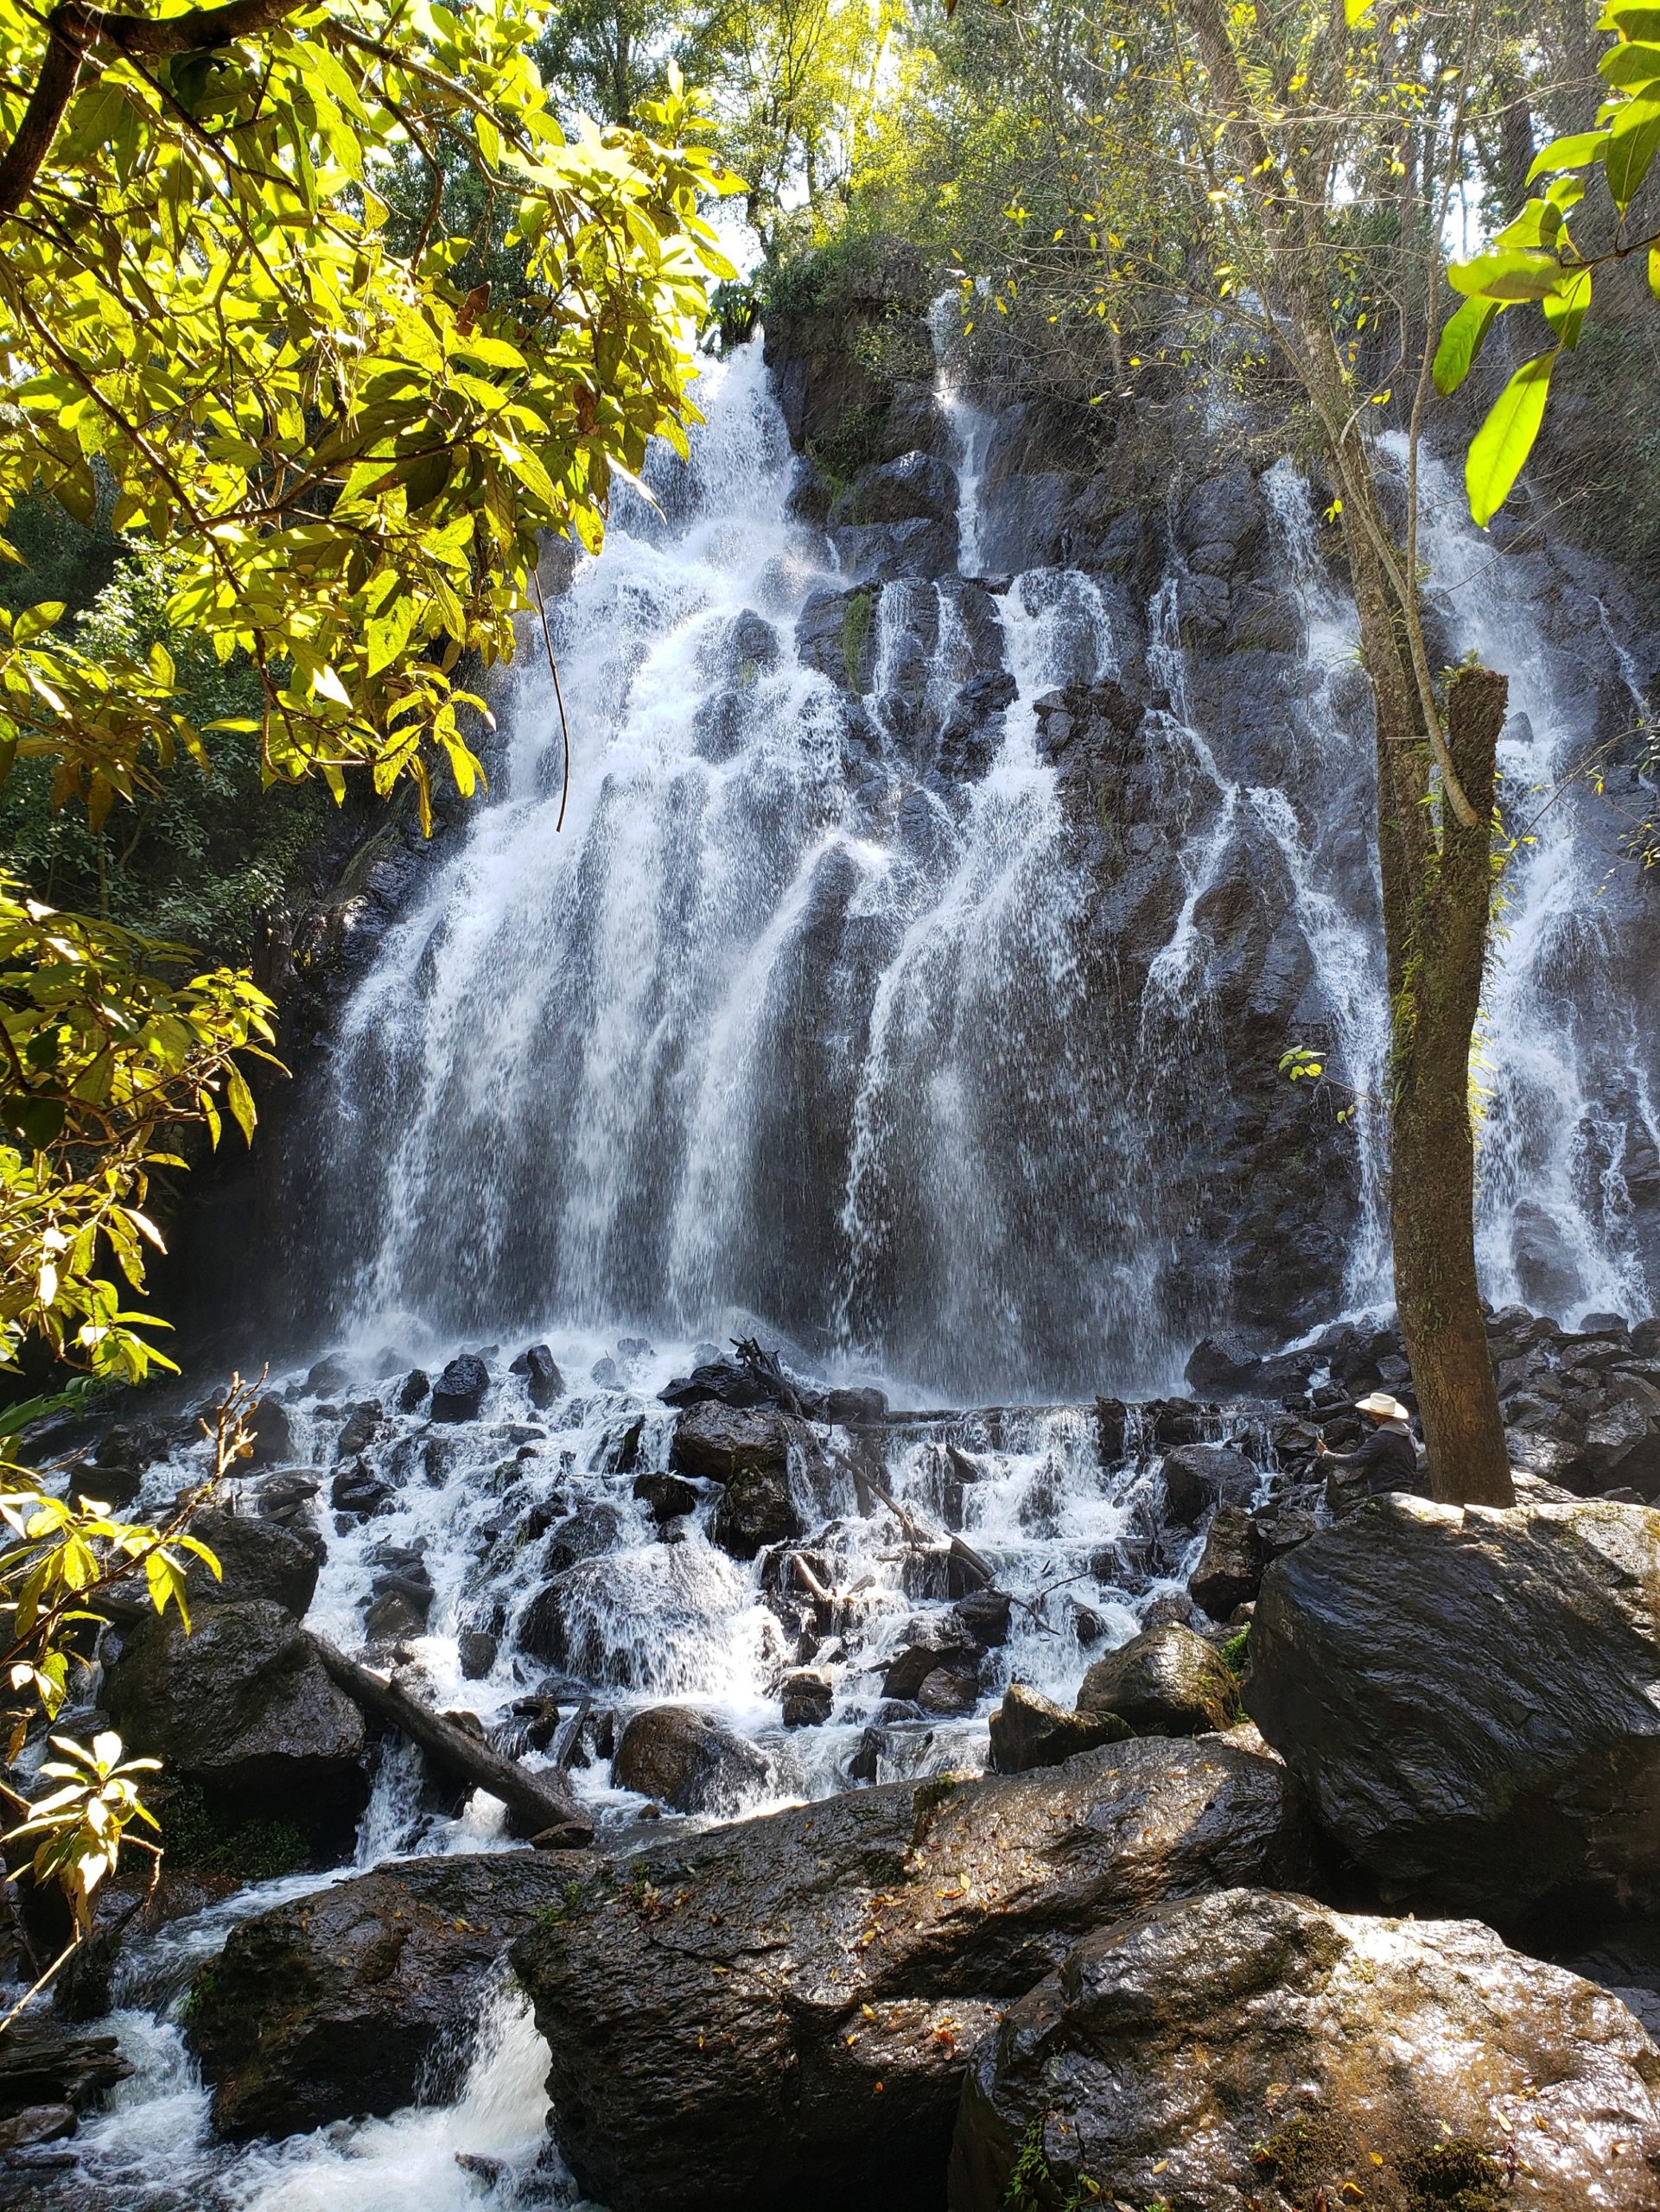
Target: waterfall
<point x="813" y="1012"/>
<point x="908" y="980"/>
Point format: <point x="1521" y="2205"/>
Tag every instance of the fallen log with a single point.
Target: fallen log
<point x="541" y="1800"/>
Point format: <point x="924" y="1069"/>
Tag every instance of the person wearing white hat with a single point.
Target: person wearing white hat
<point x="1386" y="1458"/>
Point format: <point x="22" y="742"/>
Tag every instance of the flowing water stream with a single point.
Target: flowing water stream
<point x="796" y="1021"/>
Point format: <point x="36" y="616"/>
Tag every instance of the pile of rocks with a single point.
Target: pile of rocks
<point x="1149" y="1969"/>
<point x="1581" y="1406"/>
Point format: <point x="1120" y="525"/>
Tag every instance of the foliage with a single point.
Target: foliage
<point x="68" y="1552"/>
<point x="104" y="1058"/>
<point x="199" y="858"/>
<point x="1537" y="259"/>
<point x="201" y="1841"/>
<point x="345" y="460"/>
<point x="795" y="88"/>
<point x="325" y="448"/>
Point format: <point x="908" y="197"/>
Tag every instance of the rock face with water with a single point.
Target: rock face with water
<point x="1247" y="2049"/>
<point x="781" y="2012"/>
<point x="1472" y="1697"/>
<point x="348" y="2001"/>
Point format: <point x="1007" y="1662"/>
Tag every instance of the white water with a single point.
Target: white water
<point x="803" y="1015"/>
<point x="790" y="1020"/>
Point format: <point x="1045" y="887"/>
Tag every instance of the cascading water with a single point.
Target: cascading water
<point x="881" y="984"/>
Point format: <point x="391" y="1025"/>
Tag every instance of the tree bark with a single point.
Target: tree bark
<point x="542" y="1800"/>
<point x="1431" y="1183"/>
<point x="1437" y="878"/>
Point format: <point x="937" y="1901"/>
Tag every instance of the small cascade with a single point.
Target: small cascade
<point x="1068" y="1515"/>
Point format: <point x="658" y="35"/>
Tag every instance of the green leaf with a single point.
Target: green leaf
<point x="1461" y="341"/>
<point x="1538" y="225"/>
<point x="240" y="1099"/>
<point x="1654" y="270"/>
<point x="1633" y="143"/>
<point x="1505" y="439"/>
<point x="1629" y="65"/>
<point x="1633" y="17"/>
<point x="1506" y="275"/>
<point x="1566" y="312"/>
<point x="1355" y="11"/>
<point x="1570" y="153"/>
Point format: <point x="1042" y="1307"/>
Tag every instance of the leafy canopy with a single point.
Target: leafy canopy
<point x="1536" y="257"/>
<point x="337" y="459"/>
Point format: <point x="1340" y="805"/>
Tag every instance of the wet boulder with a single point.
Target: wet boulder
<point x="685" y="1760"/>
<point x="1029" y="1730"/>
<point x="720" y="2018"/>
<point x="853" y="1407"/>
<point x="285" y="1497"/>
<point x="120" y="1459"/>
<point x="543" y="1380"/>
<point x="1250" y="2049"/>
<point x="1222" y="1367"/>
<point x="619" y="1617"/>
<point x="755" y="1510"/>
<point x="363" y="1424"/>
<point x="806" y="1696"/>
<point x="242" y="1705"/>
<point x="1229" y="1569"/>
<point x="586" y="1534"/>
<point x="744" y="1383"/>
<point x="916" y="484"/>
<point x="257" y="1558"/>
<point x="665" y="1497"/>
<point x="1199" y="1476"/>
<point x="933" y="1643"/>
<point x="400" y="1594"/>
<point x="1166" y="1681"/>
<point x="358" y="1490"/>
<point x="983" y="1616"/>
<point x="1470" y="1696"/>
<point x="342" y="2003"/>
<point x="413" y="1393"/>
<point x="273" y="1431"/>
<point x="459" y="1392"/>
<point x="43" y="2064"/>
<point x="718" y="1441"/>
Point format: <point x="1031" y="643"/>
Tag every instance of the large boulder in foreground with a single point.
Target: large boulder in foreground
<point x="1471" y="1697"/>
<point x="241" y="1704"/>
<point x="780" y="2012"/>
<point x="1246" y="2048"/>
<point x="719" y="1442"/>
<point x="338" y="2003"/>
<point x="257" y="1558"/>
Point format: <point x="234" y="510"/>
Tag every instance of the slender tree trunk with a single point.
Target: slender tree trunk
<point x="1431" y="1183"/>
<point x="1437" y="875"/>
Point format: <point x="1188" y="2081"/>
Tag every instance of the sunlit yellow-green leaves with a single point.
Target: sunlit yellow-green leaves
<point x="341" y="459"/>
<point x="1535" y="258"/>
<point x="347" y="458"/>
<point x="110" y="1044"/>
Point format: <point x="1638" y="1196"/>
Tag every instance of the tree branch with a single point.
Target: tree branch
<point x="72" y="28"/>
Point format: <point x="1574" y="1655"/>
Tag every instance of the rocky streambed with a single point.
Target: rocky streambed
<point x="1027" y="1806"/>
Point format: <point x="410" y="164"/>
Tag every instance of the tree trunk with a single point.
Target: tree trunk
<point x="541" y="1800"/>
<point x="1431" y="1183"/>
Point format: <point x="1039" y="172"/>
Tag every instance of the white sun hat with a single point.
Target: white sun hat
<point x="1385" y="1407"/>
